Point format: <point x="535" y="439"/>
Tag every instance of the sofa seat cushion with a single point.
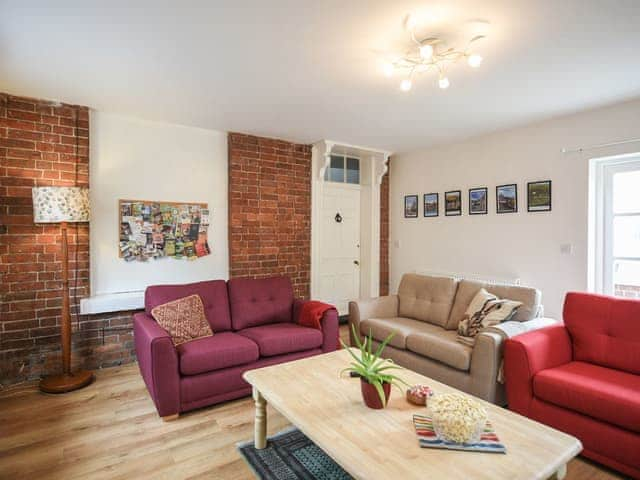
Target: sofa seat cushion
<point x="222" y="350"/>
<point x="441" y="345"/>
<point x="609" y="395"/>
<point x="381" y="328"/>
<point x="281" y="338"/>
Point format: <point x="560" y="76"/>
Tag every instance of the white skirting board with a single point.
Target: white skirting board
<point x="112" y="302"/>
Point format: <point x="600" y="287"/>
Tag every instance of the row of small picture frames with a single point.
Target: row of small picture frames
<point x="538" y="200"/>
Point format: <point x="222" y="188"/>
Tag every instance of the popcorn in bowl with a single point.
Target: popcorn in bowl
<point x="457" y="418"/>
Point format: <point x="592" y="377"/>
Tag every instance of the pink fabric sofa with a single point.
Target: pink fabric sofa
<point x="254" y="325"/>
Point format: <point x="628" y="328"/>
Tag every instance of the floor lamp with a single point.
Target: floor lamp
<point x="63" y="205"/>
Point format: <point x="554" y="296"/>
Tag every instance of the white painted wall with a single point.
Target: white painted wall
<point x="137" y="159"/>
<point x="521" y="245"/>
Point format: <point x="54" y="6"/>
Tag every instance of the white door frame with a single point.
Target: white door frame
<point x="601" y="172"/>
<point x="373" y="166"/>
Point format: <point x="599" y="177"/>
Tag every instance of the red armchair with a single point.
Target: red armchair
<point x="583" y="377"/>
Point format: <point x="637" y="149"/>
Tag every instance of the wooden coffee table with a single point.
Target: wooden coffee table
<point x="382" y="444"/>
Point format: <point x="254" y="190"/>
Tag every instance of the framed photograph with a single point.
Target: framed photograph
<point x="539" y="196"/>
<point x="507" y="198"/>
<point x="453" y="203"/>
<point x="411" y="206"/>
<point x="430" y="205"/>
<point x="478" y="201"/>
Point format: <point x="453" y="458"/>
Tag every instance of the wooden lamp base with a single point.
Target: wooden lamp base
<point x="66" y="382"/>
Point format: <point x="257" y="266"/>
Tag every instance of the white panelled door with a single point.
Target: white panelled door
<point x="340" y="248"/>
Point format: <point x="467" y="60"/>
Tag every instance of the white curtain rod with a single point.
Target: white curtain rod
<point x="601" y="145"/>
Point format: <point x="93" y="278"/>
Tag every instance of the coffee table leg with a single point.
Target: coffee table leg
<point x="260" y="426"/>
<point x="561" y="473"/>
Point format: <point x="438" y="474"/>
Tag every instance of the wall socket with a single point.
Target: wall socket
<point x="566" y="249"/>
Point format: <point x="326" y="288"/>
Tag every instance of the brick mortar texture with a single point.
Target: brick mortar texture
<point x="270" y="209"/>
<point x="627" y="291"/>
<point x="43" y="143"/>
<point x="384" y="233"/>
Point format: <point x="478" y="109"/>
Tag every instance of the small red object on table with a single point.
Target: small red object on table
<point x="418" y="394"/>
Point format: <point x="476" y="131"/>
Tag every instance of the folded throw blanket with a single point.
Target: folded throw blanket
<point x="312" y="312"/>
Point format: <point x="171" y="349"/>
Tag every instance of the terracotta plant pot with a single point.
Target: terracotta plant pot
<point x="370" y="394"/>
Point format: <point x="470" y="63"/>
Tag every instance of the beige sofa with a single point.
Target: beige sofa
<point x="424" y="316"/>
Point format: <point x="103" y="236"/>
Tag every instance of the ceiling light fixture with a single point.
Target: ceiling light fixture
<point x="430" y="53"/>
<point x="443" y="82"/>
<point x="388" y="69"/>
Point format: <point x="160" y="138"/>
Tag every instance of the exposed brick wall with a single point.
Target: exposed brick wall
<point x="627" y="291"/>
<point x="42" y="143"/>
<point x="270" y="209"/>
<point x="384" y="233"/>
<point x="46" y="144"/>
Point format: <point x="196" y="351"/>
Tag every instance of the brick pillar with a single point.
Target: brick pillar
<point x="270" y="209"/>
<point x="44" y="143"/>
<point x="384" y="233"/>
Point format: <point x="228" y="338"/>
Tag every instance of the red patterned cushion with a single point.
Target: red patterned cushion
<point x="183" y="319"/>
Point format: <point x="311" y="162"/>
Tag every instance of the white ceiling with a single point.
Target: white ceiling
<point x="306" y="70"/>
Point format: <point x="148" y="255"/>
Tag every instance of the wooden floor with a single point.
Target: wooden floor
<point x="111" y="430"/>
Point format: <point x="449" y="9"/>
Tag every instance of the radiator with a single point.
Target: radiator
<point x="472" y="276"/>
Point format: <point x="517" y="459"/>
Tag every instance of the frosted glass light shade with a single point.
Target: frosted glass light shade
<point x="405" y="85"/>
<point x="474" y="60"/>
<point x="60" y="204"/>
<point x="426" y="51"/>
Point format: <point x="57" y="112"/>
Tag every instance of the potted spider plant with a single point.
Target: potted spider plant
<point x="374" y="372"/>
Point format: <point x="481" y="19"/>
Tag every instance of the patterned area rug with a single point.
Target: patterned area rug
<point x="290" y="455"/>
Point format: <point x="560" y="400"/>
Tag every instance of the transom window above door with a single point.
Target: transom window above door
<point x="343" y="169"/>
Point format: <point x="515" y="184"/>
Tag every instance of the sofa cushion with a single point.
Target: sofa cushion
<point x="223" y="350"/>
<point x="260" y="301"/>
<point x="439" y="344"/>
<point x="280" y="338"/>
<point x="212" y="292"/>
<point x="599" y="392"/>
<point x="484" y="311"/>
<point x="604" y="330"/>
<point x="426" y="298"/>
<point x="183" y="319"/>
<point x="467" y="290"/>
<point x="381" y="328"/>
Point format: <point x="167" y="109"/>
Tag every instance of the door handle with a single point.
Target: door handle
<point x="356" y="262"/>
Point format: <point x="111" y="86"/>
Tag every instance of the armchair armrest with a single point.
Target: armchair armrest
<point x="158" y="362"/>
<point x="329" y="324"/>
<point x="527" y="354"/>
<point x="487" y="355"/>
<point x="364" y="308"/>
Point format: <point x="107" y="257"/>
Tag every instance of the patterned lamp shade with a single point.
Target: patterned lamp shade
<point x="60" y="204"/>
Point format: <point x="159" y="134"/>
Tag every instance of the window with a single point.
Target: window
<point x="619" y="232"/>
<point x="343" y="169"/>
<point x="625" y="231"/>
